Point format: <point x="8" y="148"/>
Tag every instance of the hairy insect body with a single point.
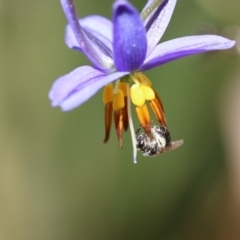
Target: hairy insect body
<point x="158" y="142"/>
<point x="152" y="145"/>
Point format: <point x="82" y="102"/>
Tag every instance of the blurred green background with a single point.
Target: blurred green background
<point x="57" y="178"/>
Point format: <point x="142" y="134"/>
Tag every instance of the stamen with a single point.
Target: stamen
<point x="159" y="99"/>
<point x="137" y="95"/>
<point x="118" y="100"/>
<point x="108" y="93"/>
<point x="142" y="78"/>
<point x="125" y="114"/>
<point x="123" y="87"/>
<point x="119" y="125"/>
<point x="158" y="111"/>
<point x="108" y="120"/>
<point x="157" y="107"/>
<point x="148" y="92"/>
<point x="144" y="118"/>
<point x="134" y="79"/>
<point x="116" y="86"/>
<point x="131" y="126"/>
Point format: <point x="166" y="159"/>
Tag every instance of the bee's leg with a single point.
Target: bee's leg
<point x="146" y="151"/>
<point x="137" y="131"/>
<point x="155" y="148"/>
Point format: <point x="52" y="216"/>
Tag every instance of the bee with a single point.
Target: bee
<point x="158" y="142"/>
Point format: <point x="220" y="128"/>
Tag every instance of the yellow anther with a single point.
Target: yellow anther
<point x="142" y="78"/>
<point x="108" y="93"/>
<point x="137" y="95"/>
<point x="123" y="86"/>
<point x="148" y="92"/>
<point x="118" y="100"/>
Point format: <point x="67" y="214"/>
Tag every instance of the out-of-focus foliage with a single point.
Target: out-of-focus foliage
<point x="59" y="181"/>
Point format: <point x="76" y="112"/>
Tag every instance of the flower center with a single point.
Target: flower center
<point x="138" y="88"/>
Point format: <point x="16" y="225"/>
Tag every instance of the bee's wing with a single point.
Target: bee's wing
<point x="172" y="146"/>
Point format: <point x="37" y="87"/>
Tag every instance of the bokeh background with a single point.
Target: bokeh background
<point x="59" y="181"/>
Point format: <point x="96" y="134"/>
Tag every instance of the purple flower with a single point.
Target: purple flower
<point x="119" y="51"/>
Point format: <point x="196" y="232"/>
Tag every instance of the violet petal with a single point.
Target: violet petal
<point x="99" y="32"/>
<point x="73" y="89"/>
<point x="129" y="40"/>
<point x="185" y="46"/>
<point x="83" y="41"/>
<point x="157" y="23"/>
